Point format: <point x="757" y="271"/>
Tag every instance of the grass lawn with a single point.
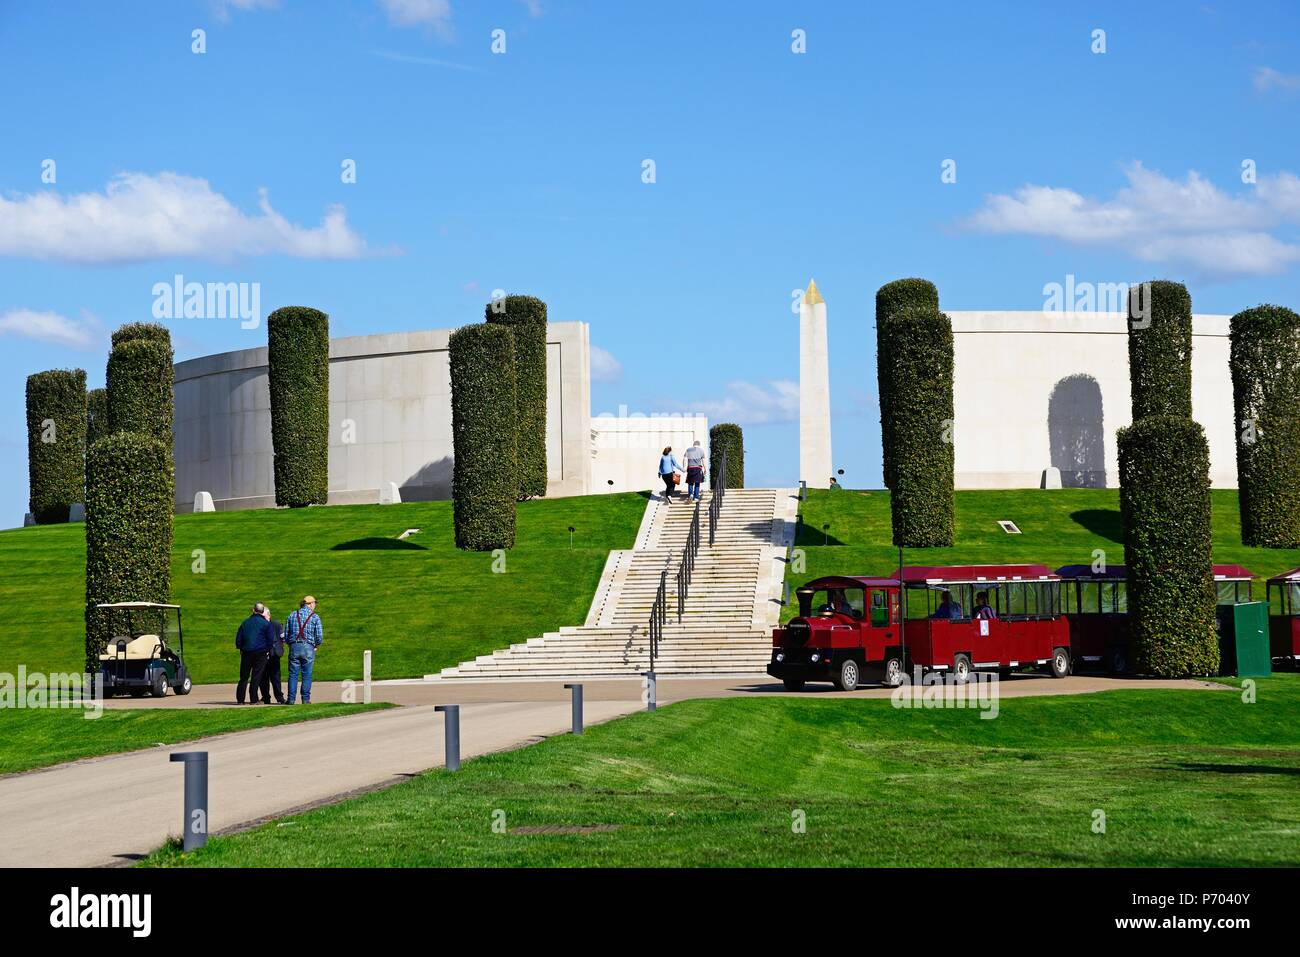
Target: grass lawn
<point x="39" y="738"/>
<point x="419" y="604"/>
<point x="1184" y="778"/>
<point x="1058" y="527"/>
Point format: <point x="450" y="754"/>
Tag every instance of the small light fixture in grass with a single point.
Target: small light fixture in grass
<point x="826" y="534"/>
<point x="571" y="531"/>
<point x="1009" y="526"/>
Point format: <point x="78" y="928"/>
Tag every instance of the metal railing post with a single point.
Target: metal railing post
<point x="195" y="826"/>
<point x="451" y="726"/>
<point x="577" y="707"/>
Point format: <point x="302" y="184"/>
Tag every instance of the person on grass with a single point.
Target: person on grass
<point x="303" y="634"/>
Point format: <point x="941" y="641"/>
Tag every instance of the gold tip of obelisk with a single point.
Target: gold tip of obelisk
<point x="811" y="296"/>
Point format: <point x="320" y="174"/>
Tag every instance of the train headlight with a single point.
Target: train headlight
<point x="815" y="657"/>
<point x="780" y="656"/>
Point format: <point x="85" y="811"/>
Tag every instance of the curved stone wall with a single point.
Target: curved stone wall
<point x="390" y="420"/>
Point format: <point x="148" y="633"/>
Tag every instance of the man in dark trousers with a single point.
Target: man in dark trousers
<point x="253" y="641"/>
<point x="271" y="676"/>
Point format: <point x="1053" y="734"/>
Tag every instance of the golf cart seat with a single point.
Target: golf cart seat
<point x="141" y="648"/>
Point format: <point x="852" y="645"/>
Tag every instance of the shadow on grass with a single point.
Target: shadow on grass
<point x="378" y="545"/>
<point x="1239" y="769"/>
<point x="1103" y="522"/>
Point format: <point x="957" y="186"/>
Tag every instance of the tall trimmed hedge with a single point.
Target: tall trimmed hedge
<point x="728" y="437"/>
<point x="56" y="442"/>
<point x="1160" y="349"/>
<point x="1164" y="464"/>
<point x="130" y="488"/>
<point x="485" y="479"/>
<point x="96" y="416"/>
<point x="140" y="381"/>
<point x="919" y="382"/>
<point x="152" y="331"/>
<point x="298" y="356"/>
<point x="890" y="298"/>
<point x="1265" y="362"/>
<point x="526" y="318"/>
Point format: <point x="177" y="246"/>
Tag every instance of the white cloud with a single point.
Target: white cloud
<point x="424" y="60"/>
<point x="776" y="400"/>
<point x="140" y="217"/>
<point x="1266" y="79"/>
<point x="50" y="327"/>
<point x="1156" y="219"/>
<point x="221" y="8"/>
<point x="604" y="367"/>
<point x="534" y="7"/>
<point x="419" y="13"/>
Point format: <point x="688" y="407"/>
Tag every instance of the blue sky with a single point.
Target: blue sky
<point x="523" y="171"/>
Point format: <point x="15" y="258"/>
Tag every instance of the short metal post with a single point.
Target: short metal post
<point x="365" y="677"/>
<point x="194" y="827"/>
<point x="577" y="707"/>
<point x="650" y="691"/>
<point x="451" y="724"/>
<point x="803" y="490"/>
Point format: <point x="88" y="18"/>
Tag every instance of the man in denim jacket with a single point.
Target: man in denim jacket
<point x="304" y="634"/>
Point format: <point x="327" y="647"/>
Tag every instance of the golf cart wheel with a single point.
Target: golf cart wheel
<point x="1117" y="661"/>
<point x="893" y="671"/>
<point x="793" y="684"/>
<point x="961" y="669"/>
<point x="185" y="685"/>
<point x="159" y="687"/>
<point x="1060" y="663"/>
<point x="847" y="676"/>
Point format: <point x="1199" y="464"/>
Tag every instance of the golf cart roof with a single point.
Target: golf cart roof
<point x="136" y="605"/>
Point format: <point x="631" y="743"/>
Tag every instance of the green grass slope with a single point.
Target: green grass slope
<point x="419" y="604"/>
<point x="37" y="739"/>
<point x="1212" y="782"/>
<point x="1058" y="527"/>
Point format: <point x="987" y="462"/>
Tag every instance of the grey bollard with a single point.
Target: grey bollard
<point x="577" y="708"/>
<point x="451" y="723"/>
<point x="650" y="691"/>
<point x="365" y="677"/>
<point x="195" y="825"/>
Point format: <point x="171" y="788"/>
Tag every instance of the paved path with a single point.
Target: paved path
<point x="114" y="809"/>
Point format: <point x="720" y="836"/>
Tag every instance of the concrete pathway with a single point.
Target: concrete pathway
<point x="114" y="809"/>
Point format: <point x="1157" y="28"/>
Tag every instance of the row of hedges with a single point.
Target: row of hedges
<point x="727" y="437"/>
<point x="298" y="356"/>
<point x="130" y="491"/>
<point x="56" y="442"/>
<point x="1265" y="363"/>
<point x="96" y="416"/>
<point x="485" y="477"/>
<point x="891" y="298"/>
<point x="525" y="316"/>
<point x="1164" y="464"/>
<point x="919" y="375"/>
<point x="1160" y="349"/>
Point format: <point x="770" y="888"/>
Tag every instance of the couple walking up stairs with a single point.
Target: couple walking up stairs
<point x="731" y="607"/>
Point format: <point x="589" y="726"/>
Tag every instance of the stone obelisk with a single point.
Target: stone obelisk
<point x="814" y="392"/>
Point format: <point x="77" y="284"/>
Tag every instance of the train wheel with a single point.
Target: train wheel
<point x="893" y="671"/>
<point x="846" y="679"/>
<point x="793" y="684"/>
<point x="961" y="669"/>
<point x="1060" y="663"/>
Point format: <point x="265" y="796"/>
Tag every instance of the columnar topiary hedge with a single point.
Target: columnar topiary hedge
<point x="526" y="317"/>
<point x="96" y="416"/>
<point x="56" y="442"/>
<point x="1164" y="464"/>
<point x="153" y="331"/>
<point x="890" y="298"/>
<point x="919" y="381"/>
<point x="1266" y="398"/>
<point x="728" y="437"/>
<point x="298" y="356"/>
<point x="1160" y="349"/>
<point x="130" y="487"/>
<point x="485" y="480"/>
<point x="140" y="380"/>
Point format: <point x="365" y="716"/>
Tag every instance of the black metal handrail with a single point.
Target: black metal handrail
<point x="715" y="500"/>
<point x="658" y="613"/>
<point x="687" y="567"/>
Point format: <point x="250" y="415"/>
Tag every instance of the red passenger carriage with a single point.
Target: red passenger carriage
<point x="1284" y="616"/>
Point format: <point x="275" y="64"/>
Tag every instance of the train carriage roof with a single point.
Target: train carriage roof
<point x="1292" y="576"/>
<point x="848" y="581"/>
<point x="962" y="574"/>
<point x="1116" y="572"/>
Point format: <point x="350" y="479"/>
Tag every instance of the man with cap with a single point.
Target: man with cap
<point x="303" y="634"/>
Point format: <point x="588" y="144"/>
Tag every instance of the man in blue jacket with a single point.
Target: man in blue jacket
<point x="253" y="641"/>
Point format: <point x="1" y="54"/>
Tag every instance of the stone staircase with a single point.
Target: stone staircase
<point x="731" y="607"/>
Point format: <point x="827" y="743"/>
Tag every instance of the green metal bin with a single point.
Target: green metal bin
<point x="1243" y="640"/>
